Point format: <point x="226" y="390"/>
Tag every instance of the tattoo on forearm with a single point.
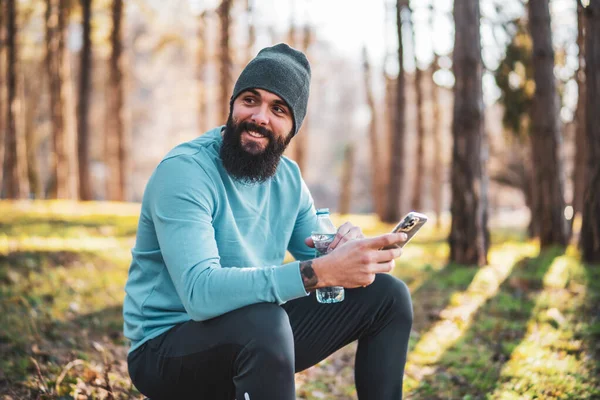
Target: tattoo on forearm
<point x="309" y="277"/>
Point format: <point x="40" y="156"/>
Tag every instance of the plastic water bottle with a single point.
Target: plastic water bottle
<point x="322" y="236"/>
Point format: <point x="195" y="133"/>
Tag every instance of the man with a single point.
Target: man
<point x="210" y="310"/>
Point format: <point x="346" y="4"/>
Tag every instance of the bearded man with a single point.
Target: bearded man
<point x="210" y="310"/>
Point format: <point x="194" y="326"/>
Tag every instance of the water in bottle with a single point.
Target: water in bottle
<point x="322" y="236"/>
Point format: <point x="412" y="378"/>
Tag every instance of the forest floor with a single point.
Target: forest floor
<point x="526" y="326"/>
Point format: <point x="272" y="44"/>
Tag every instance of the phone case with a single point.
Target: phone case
<point x="410" y="224"/>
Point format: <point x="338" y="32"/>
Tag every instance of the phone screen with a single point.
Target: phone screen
<point x="410" y="224"/>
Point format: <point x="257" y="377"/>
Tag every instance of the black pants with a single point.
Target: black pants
<point x="252" y="353"/>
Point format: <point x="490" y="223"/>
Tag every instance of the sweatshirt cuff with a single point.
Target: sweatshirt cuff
<point x="288" y="282"/>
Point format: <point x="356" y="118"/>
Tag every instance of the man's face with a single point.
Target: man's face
<point x="257" y="133"/>
<point x="266" y="111"/>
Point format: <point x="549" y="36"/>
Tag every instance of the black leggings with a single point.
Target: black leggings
<point x="252" y="353"/>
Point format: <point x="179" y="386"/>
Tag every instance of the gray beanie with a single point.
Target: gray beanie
<point x="280" y="70"/>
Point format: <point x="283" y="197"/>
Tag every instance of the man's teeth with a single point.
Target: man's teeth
<point x="255" y="134"/>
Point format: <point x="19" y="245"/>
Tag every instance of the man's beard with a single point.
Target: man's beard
<point x="243" y="165"/>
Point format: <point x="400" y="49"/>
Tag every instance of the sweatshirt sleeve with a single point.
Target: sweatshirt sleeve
<point x="305" y="223"/>
<point x="181" y="202"/>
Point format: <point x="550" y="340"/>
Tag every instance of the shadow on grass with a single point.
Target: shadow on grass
<point x="434" y="295"/>
<point x="39" y="313"/>
<point x="18" y="264"/>
<point x="472" y="366"/>
<point x="95" y="340"/>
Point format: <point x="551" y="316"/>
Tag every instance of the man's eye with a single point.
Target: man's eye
<point x="249" y="100"/>
<point x="278" y="109"/>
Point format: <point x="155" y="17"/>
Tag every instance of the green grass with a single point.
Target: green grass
<point x="526" y="326"/>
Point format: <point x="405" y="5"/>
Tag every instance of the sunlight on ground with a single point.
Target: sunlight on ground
<point x="35" y="243"/>
<point x="456" y="318"/>
<point x="548" y="350"/>
<point x="65" y="208"/>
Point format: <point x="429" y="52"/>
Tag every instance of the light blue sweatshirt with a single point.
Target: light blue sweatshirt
<point x="207" y="244"/>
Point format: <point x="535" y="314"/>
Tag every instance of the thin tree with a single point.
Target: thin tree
<point x="590" y="229"/>
<point x="392" y="213"/>
<point x="469" y="236"/>
<point x="419" y="166"/>
<point x="437" y="181"/>
<point x="301" y="145"/>
<point x="226" y="86"/>
<point x="85" y="67"/>
<point x="251" y="30"/>
<point x="202" y="67"/>
<point x="376" y="181"/>
<point x="2" y="86"/>
<point x="437" y="171"/>
<point x="55" y="20"/>
<point x="14" y="185"/>
<point x="579" y="167"/>
<point x="115" y="144"/>
<point x="291" y="41"/>
<point x="346" y="183"/>
<point x="545" y="132"/>
<point x="30" y="96"/>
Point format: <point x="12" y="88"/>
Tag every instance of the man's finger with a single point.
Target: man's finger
<point x="342" y="231"/>
<point x="388" y="239"/>
<point x="383" y="256"/>
<point x="382" y="267"/>
<point x="309" y="242"/>
<point x="354" y="233"/>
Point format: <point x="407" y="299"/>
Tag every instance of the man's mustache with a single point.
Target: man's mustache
<point x="251" y="126"/>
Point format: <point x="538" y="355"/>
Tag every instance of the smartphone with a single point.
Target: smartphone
<point x="410" y="224"/>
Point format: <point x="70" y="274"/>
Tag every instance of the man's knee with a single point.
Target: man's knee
<point x="272" y="338"/>
<point x="396" y="291"/>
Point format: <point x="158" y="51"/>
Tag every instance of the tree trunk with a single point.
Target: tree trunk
<point x="469" y="236"/>
<point x="389" y="131"/>
<point x="533" y="228"/>
<point x="55" y="54"/>
<point x="419" y="166"/>
<point x="202" y="68"/>
<point x="579" y="167"/>
<point x="31" y="90"/>
<point x="438" y="160"/>
<point x="545" y="133"/>
<point x="85" y="188"/>
<point x="226" y="86"/>
<point x="346" y="184"/>
<point x="14" y="186"/>
<point x="2" y="85"/>
<point x="302" y="139"/>
<point x="116" y="145"/>
<point x="376" y="181"/>
<point x="251" y="30"/>
<point x="291" y="41"/>
<point x="590" y="228"/>
<point x="392" y="213"/>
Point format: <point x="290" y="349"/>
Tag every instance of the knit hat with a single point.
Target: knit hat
<point x="280" y="70"/>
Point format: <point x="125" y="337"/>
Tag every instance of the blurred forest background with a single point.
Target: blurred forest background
<point x="94" y="93"/>
<point x="482" y="114"/>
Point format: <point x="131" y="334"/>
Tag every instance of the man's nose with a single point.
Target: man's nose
<point x="260" y="116"/>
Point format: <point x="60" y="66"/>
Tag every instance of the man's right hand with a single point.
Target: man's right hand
<point x="355" y="263"/>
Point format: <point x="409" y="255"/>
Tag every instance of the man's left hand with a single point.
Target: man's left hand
<point x="345" y="233"/>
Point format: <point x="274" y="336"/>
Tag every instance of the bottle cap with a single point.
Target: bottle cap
<point x="322" y="211"/>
